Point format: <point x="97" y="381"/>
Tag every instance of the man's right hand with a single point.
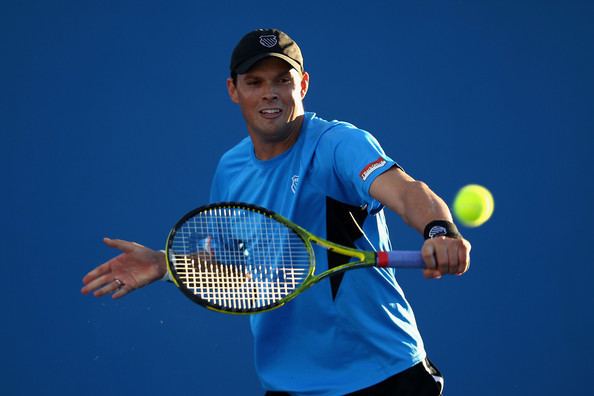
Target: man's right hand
<point x="136" y="267"/>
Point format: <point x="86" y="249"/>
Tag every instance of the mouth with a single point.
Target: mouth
<point x="271" y="112"/>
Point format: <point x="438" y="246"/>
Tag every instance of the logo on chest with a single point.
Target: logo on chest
<point x="294" y="183"/>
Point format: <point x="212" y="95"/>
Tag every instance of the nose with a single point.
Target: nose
<point x="270" y="92"/>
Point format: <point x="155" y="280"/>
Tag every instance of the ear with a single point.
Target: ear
<point x="304" y="84"/>
<point x="232" y="90"/>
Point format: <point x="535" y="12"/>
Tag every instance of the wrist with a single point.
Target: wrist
<point x="439" y="228"/>
<point x="167" y="276"/>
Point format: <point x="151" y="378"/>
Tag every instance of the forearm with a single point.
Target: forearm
<point x="421" y="206"/>
<point x="418" y="206"/>
<point x="412" y="200"/>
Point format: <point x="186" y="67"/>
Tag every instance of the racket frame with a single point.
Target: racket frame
<point x="363" y="258"/>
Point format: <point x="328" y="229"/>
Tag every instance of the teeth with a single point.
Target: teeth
<point x="270" y="111"/>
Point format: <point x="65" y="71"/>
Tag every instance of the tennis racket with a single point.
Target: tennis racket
<point x="239" y="258"/>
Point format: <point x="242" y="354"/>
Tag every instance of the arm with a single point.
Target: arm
<point x="417" y="205"/>
<point x="136" y="267"/>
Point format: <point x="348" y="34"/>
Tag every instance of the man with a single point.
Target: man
<point x="355" y="332"/>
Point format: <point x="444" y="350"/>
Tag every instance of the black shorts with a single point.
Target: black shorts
<point x="422" y="379"/>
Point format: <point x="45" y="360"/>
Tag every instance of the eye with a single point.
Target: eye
<point x="252" y="82"/>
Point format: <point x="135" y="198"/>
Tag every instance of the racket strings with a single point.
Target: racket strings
<point x="238" y="259"/>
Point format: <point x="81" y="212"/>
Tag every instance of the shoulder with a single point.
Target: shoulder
<point x="239" y="153"/>
<point x="240" y="150"/>
<point x="341" y="133"/>
<point x="317" y="123"/>
<point x="234" y="159"/>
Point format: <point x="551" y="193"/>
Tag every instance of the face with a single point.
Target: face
<point x="270" y="96"/>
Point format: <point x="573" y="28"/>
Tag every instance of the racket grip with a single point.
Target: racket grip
<point x="400" y="259"/>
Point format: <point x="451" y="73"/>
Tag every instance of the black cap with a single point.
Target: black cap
<point x="261" y="44"/>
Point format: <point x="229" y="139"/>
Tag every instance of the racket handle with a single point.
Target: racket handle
<point x="400" y="259"/>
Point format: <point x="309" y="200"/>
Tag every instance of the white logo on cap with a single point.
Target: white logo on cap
<point x="268" y="41"/>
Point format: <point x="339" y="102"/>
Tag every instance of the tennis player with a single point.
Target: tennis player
<point x="354" y="333"/>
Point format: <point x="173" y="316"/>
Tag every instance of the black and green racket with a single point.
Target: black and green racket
<point x="239" y="258"/>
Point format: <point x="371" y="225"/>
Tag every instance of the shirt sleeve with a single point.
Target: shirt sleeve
<point x="215" y="188"/>
<point x="358" y="159"/>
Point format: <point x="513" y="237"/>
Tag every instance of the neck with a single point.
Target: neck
<point x="267" y="148"/>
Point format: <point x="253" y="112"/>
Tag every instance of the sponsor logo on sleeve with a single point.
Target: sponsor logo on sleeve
<point x="372" y="167"/>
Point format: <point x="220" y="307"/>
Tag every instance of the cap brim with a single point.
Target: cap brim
<point x="248" y="64"/>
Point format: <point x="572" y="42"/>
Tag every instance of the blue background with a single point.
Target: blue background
<point x="114" y="114"/>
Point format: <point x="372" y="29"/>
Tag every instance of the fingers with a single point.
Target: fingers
<point x="110" y="287"/>
<point x="97" y="272"/>
<point x="428" y="253"/>
<point x="100" y="285"/>
<point x="464" y="257"/>
<point x="121" y="292"/>
<point x="442" y="256"/>
<point x="109" y="277"/>
<point x="445" y="256"/>
<point x="105" y="268"/>
<point x="101" y="270"/>
<point x="124" y="246"/>
<point x="107" y="284"/>
<point x="431" y="274"/>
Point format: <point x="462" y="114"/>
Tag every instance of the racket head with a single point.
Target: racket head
<point x="239" y="258"/>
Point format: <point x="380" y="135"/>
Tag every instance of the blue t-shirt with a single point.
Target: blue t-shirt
<point x="350" y="331"/>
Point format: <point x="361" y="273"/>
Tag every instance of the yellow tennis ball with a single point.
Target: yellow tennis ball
<point x="473" y="205"/>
